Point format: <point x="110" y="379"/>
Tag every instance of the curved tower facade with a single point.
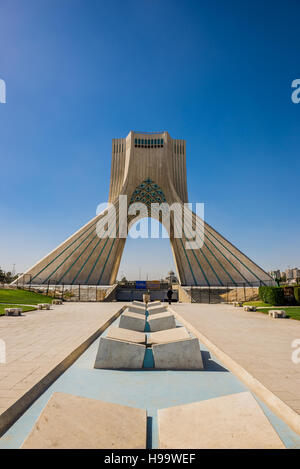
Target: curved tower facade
<point x="148" y="169"/>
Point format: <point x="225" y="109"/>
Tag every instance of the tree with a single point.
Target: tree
<point x="7" y="277"/>
<point x="2" y="276"/>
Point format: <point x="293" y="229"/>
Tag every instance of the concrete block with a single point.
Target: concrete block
<point x="161" y="322"/>
<point x="57" y="302"/>
<point x="73" y="422"/>
<point x="277" y="313"/>
<point x="126" y="334"/>
<point x="168" y="335"/>
<point x="136" y="309"/>
<point x="179" y="355"/>
<point x="235" y="421"/>
<point x="13" y="311"/>
<point x="133" y="321"/>
<point x="139" y="303"/>
<point x="154" y="303"/>
<point x="249" y="308"/>
<point x="43" y="306"/>
<point x="118" y="354"/>
<point x="157" y="309"/>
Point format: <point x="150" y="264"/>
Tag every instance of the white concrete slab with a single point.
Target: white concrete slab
<point x="139" y="303"/>
<point x="133" y="321"/>
<point x="73" y="422"/>
<point x="162" y="321"/>
<point x="168" y="335"/>
<point x="229" y="422"/>
<point x="157" y="309"/>
<point x="179" y="355"/>
<point x="154" y="303"/>
<point x="136" y="309"/>
<point x="118" y="354"/>
<point x="126" y="334"/>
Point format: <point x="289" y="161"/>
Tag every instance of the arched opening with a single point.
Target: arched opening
<point x="147" y="257"/>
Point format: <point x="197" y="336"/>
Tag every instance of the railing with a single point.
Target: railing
<point x="198" y="294"/>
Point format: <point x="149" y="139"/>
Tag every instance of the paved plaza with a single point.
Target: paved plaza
<point x="41" y="341"/>
<point x="262" y="346"/>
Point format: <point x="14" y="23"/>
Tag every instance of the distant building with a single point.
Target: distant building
<point x="289" y="274"/>
<point x="296" y="273"/>
<point x="275" y="274"/>
<point x="293" y="275"/>
<point x="171" y="277"/>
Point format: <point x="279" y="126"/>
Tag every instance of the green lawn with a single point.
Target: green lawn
<point x="24" y="308"/>
<point x="291" y="311"/>
<point x="22" y="297"/>
<point x="255" y="303"/>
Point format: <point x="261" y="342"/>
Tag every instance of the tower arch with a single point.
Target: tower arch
<point x="147" y="168"/>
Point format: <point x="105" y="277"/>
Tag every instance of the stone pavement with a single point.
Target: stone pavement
<point x="43" y="342"/>
<point x="150" y="390"/>
<point x="262" y="346"/>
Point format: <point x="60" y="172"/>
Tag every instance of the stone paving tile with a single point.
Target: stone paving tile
<point x="256" y="342"/>
<point x="295" y="404"/>
<point x="39" y="341"/>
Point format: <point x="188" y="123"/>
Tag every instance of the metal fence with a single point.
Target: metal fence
<point x="91" y="293"/>
<point x="67" y="292"/>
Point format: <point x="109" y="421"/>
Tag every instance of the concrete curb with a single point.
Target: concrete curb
<point x="9" y="416"/>
<point x="280" y="408"/>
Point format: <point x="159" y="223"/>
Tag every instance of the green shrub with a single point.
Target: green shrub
<point x="262" y="293"/>
<point x="271" y="295"/>
<point x="297" y="294"/>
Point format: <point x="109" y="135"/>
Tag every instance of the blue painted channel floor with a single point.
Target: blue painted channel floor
<point x="145" y="389"/>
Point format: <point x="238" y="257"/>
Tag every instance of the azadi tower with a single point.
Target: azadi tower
<point x="148" y="168"/>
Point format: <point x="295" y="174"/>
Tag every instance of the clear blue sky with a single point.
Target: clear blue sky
<point x="216" y="73"/>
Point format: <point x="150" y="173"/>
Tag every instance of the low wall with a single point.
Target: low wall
<point x="216" y="294"/>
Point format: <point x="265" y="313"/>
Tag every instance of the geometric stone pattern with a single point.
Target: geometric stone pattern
<point x="234" y="421"/>
<point x="128" y="347"/>
<point x="73" y="422"/>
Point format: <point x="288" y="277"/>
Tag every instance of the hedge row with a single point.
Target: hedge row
<point x="297" y="294"/>
<point x="272" y="295"/>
